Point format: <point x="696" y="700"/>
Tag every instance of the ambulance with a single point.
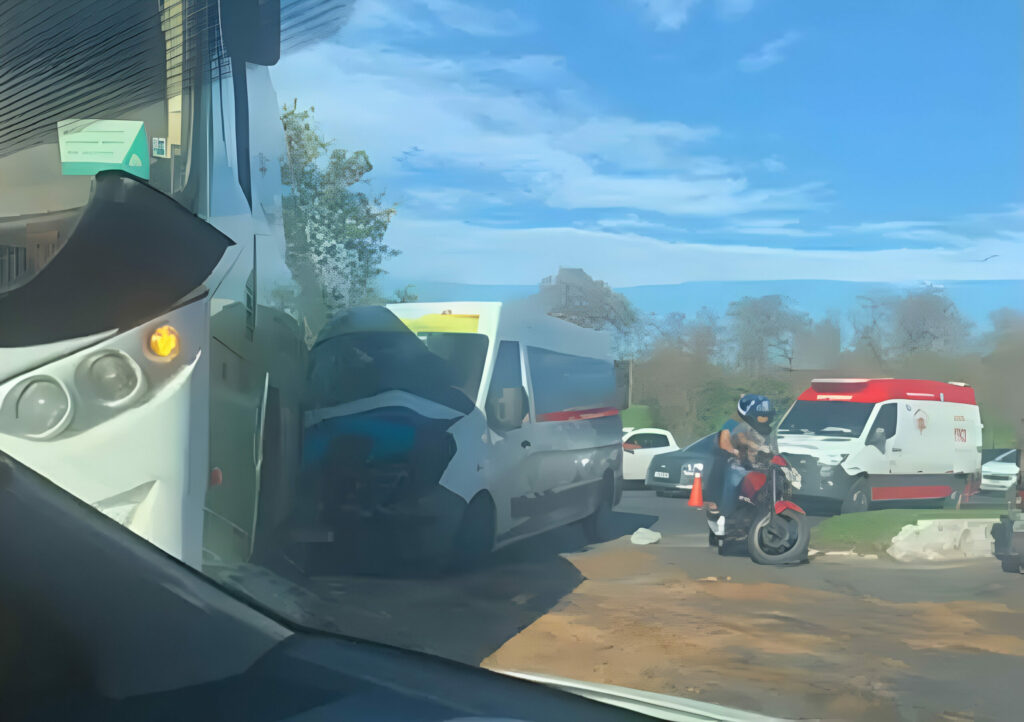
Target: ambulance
<point x="859" y="443"/>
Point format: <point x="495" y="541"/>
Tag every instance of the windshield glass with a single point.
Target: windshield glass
<point x="346" y="304"/>
<point x="128" y="103"/>
<point x="356" y="366"/>
<point x="826" y="418"/>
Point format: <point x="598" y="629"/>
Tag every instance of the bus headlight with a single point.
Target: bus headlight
<point x="112" y="377"/>
<point x="42" y="406"/>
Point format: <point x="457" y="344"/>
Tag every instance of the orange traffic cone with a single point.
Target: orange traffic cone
<point x="696" y="493"/>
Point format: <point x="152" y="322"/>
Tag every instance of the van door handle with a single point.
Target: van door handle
<point x="526" y="444"/>
<point x="895" y="449"/>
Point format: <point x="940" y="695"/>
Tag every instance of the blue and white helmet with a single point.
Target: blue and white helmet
<point x="751" y="406"/>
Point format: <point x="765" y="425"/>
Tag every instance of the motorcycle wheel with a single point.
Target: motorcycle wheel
<point x="779" y="539"/>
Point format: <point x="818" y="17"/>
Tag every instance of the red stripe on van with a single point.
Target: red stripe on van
<point x="579" y="415"/>
<point x="887" y="493"/>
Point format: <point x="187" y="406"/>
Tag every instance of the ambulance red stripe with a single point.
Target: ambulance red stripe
<point x="892" y="493"/>
<point x="873" y="391"/>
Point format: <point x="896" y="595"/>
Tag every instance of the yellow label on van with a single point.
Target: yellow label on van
<point x="444" y="323"/>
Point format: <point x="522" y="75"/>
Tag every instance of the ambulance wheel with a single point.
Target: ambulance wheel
<point x="953" y="500"/>
<point x="857" y="499"/>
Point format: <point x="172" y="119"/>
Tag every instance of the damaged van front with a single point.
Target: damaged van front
<point x="389" y="418"/>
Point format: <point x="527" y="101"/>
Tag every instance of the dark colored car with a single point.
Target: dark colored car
<point x="672" y="473"/>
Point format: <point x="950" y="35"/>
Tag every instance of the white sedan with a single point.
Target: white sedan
<point x="1001" y="472"/>
<point x="640" y="446"/>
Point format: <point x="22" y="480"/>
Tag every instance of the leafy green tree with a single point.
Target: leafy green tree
<point x="763" y="331"/>
<point x="334" y="225"/>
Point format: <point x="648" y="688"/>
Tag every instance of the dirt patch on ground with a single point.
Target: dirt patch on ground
<point x="775" y="648"/>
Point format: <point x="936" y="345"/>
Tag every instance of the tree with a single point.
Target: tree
<point x="925" y="320"/>
<point x="334" y="228"/>
<point x="701" y="336"/>
<point x="576" y="297"/>
<point x="919" y="321"/>
<point x="762" y="331"/>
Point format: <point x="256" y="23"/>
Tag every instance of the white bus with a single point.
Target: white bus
<point x="142" y="365"/>
<point x="459" y="427"/>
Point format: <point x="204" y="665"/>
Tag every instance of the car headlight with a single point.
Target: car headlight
<point x="112" y="377"/>
<point x="42" y="406"/>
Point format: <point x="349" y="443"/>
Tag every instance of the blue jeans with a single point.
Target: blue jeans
<point x="734" y="474"/>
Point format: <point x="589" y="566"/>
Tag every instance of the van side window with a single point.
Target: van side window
<point x="507" y="405"/>
<point x="564" y="383"/>
<point x="886" y="419"/>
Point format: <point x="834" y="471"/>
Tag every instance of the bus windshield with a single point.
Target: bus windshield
<point x="129" y="103"/>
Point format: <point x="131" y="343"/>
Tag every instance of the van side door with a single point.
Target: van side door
<point x="510" y="430"/>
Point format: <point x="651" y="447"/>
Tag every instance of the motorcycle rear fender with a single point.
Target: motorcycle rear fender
<point x="781" y="506"/>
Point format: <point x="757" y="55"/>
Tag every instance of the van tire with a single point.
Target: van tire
<point x="598" y="527"/>
<point x="858" y="498"/>
<point x="1010" y="563"/>
<point x="474" y="539"/>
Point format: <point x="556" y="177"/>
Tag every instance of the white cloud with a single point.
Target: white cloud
<point x="787" y="227"/>
<point x="417" y="114"/>
<point x="771" y="53"/>
<point x="773" y="164"/>
<point x="961" y="231"/>
<point x="476" y="19"/>
<point x="919" y="231"/>
<point x="449" y="199"/>
<point x="467" y="253"/>
<point x="422" y="16"/>
<point x="630" y="221"/>
<point x="673" y="14"/>
<point x="735" y="8"/>
<point x="668" y="14"/>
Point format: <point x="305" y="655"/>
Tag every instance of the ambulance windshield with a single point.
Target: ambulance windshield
<point x="826" y="418"/>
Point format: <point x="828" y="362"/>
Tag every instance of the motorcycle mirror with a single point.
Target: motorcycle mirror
<point x="779" y="461"/>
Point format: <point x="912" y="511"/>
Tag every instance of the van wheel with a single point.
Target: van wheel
<point x="475" y="538"/>
<point x="599" y="525"/>
<point x="857" y="499"/>
<point x="1010" y="563"/>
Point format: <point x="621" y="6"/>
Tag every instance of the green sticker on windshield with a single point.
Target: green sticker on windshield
<point x="89" y="146"/>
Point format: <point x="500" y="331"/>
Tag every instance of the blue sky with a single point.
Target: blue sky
<point x="660" y="141"/>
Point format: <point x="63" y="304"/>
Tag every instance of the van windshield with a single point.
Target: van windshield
<point x="826" y="418"/>
<point x="436" y="366"/>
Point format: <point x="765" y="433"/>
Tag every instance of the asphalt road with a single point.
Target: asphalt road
<point x="554" y="594"/>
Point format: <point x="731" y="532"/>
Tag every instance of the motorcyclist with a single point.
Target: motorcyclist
<point x="741" y="442"/>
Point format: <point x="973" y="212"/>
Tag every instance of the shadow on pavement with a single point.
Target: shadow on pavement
<point x="462" y="616"/>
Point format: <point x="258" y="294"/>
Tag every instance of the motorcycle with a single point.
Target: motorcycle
<point x="774" y="528"/>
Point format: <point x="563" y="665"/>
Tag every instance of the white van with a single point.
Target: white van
<point x="860" y="442"/>
<point x="433" y="426"/>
